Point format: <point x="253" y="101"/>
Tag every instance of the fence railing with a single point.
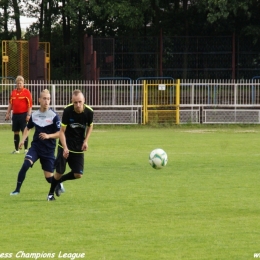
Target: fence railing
<point x="121" y="101"/>
<point x="220" y="93"/>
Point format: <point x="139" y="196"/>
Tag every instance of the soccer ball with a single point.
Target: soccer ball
<point x="158" y="158"/>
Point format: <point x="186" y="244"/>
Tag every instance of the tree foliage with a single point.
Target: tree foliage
<point x="65" y="22"/>
<point x="123" y="17"/>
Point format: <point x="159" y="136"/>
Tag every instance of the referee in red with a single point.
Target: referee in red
<point x="21" y="103"/>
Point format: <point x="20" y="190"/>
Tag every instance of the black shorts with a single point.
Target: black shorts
<point x="19" y="122"/>
<point x="75" y="162"/>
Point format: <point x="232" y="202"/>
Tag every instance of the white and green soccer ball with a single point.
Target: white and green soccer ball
<point x="158" y="158"/>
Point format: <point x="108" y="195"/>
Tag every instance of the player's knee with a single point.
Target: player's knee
<point x="48" y="176"/>
<point x="57" y="176"/>
<point x="77" y="175"/>
<point x="27" y="164"/>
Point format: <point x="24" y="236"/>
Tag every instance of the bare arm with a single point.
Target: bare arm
<point x="63" y="142"/>
<point x="29" y="113"/>
<point x="7" y="116"/>
<point x="85" y="143"/>
<point x="49" y="136"/>
<point x="25" y="135"/>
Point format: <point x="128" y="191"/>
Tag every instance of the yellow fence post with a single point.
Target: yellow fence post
<point x="178" y="101"/>
<point x="5" y="59"/>
<point x="144" y="102"/>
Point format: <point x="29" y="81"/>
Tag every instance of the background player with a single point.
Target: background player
<point x="21" y="104"/>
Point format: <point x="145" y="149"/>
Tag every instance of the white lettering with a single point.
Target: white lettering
<point x="19" y="254"/>
<point x="71" y="256"/>
<point x="6" y="255"/>
<point x="22" y="254"/>
<point x="43" y="255"/>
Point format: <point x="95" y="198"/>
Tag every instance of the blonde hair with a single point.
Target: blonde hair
<point x="45" y="91"/>
<point x="19" y="78"/>
<point x="76" y="92"/>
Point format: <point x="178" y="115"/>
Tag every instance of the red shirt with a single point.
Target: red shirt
<point x="21" y="100"/>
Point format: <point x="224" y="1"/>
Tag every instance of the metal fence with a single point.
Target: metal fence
<point x="118" y="101"/>
<point x="220" y="101"/>
<point x="114" y="102"/>
<point x="21" y="57"/>
<point x="186" y="57"/>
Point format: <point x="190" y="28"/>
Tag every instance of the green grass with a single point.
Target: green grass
<point x="205" y="204"/>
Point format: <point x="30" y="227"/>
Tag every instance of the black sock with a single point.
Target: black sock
<point x="54" y="183"/>
<point x="22" y="173"/>
<point x="26" y="143"/>
<point x="49" y="179"/>
<point x="16" y="141"/>
<point x="68" y="176"/>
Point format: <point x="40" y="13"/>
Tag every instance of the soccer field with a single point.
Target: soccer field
<point x="203" y="205"/>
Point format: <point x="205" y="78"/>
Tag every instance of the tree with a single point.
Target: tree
<point x="65" y="22"/>
<point x="17" y="19"/>
<point x="4" y="17"/>
<point x="240" y="16"/>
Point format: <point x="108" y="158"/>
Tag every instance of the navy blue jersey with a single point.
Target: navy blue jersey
<point x="44" y="122"/>
<point x="76" y="124"/>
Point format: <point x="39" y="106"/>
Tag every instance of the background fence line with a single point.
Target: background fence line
<point x="121" y="101"/>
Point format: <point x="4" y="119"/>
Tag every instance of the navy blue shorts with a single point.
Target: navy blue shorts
<point x="47" y="160"/>
<point x="19" y="122"/>
<point x="75" y="162"/>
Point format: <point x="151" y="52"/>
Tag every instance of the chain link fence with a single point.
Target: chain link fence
<point x="16" y="59"/>
<point x="191" y="57"/>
